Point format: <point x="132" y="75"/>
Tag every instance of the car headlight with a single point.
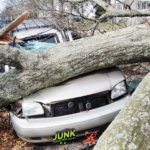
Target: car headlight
<point x="32" y="109"/>
<point x="118" y="90"/>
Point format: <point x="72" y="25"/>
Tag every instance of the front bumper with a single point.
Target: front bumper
<point x="42" y="129"/>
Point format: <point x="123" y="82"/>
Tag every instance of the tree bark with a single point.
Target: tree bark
<point x="61" y="14"/>
<point x="37" y="70"/>
<point x="52" y="9"/>
<point x="70" y="16"/>
<point x="130" y="130"/>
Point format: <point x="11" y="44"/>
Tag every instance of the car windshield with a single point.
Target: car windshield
<point x="34" y="46"/>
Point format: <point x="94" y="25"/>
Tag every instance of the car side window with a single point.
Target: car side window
<point x="75" y="36"/>
<point x="50" y="39"/>
<point x="43" y="38"/>
<point x="2" y="69"/>
<point x="66" y="36"/>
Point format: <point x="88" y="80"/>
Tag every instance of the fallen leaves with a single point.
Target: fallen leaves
<point x="7" y="141"/>
<point x="62" y="149"/>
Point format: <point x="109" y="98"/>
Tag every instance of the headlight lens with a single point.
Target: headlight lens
<point x="32" y="109"/>
<point x="118" y="90"/>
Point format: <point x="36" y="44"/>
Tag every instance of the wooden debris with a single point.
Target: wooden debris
<point x="62" y="148"/>
<point x="14" y="24"/>
<point x="4" y="40"/>
<point x="3" y="43"/>
<point x="4" y="37"/>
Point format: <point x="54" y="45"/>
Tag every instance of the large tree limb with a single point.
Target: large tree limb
<point x="130" y="130"/>
<point x="128" y="13"/>
<point x="112" y="12"/>
<point x="52" y="66"/>
<point x="16" y="57"/>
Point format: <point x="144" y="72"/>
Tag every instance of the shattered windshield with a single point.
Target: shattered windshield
<point x="34" y="45"/>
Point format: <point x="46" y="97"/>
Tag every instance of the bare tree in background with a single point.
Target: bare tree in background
<point x="13" y="8"/>
<point x="74" y="16"/>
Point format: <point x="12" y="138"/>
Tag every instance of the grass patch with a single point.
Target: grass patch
<point x="102" y="26"/>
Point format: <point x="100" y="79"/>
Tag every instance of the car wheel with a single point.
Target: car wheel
<point x="12" y="132"/>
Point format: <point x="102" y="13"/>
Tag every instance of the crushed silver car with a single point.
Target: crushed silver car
<point x="84" y="102"/>
<point x="43" y="30"/>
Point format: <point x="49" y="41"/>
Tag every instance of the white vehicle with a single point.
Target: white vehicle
<point x="40" y="29"/>
<point x="44" y="30"/>
<point x="85" y="102"/>
<point x="4" y="68"/>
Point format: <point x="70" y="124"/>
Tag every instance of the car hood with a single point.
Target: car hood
<point x="96" y="82"/>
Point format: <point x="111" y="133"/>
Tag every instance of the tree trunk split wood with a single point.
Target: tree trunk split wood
<point x="130" y="130"/>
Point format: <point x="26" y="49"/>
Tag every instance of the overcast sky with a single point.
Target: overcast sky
<point x="2" y="4"/>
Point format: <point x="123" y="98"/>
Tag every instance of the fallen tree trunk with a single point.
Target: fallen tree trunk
<point x="130" y="130"/>
<point x="37" y="70"/>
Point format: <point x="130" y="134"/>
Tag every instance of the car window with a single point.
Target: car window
<point x="43" y="38"/>
<point x="66" y="36"/>
<point x="75" y="36"/>
<point x="2" y="69"/>
<point x="50" y="39"/>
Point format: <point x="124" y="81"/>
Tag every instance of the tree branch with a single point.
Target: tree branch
<point x="128" y="13"/>
<point x="14" y="24"/>
<point x="131" y="127"/>
<point x="57" y="64"/>
<point x="17" y="57"/>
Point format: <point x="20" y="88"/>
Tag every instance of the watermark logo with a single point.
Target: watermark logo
<point x="91" y="137"/>
<point x="63" y="136"/>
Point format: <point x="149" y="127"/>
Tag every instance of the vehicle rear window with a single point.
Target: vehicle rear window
<point x="43" y="38"/>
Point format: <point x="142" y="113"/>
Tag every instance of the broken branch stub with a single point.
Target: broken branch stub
<point x="4" y="37"/>
<point x="14" y="24"/>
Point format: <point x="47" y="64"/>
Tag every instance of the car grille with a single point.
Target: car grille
<point x="80" y="104"/>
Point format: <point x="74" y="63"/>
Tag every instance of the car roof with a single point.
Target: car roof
<point x="91" y="83"/>
<point x="34" y="23"/>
